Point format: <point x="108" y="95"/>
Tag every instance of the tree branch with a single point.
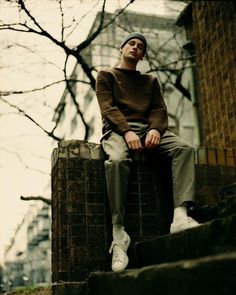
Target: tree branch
<point x="62" y="21"/>
<point x="7" y="93"/>
<point x="36" y="198"/>
<point x="180" y="87"/>
<point x="77" y="22"/>
<point x="101" y="27"/>
<point x="42" y="31"/>
<point x="21" y="161"/>
<point x="75" y="102"/>
<point x="31" y="119"/>
<point x="86" y="42"/>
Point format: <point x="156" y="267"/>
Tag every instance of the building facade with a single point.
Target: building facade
<point x="27" y="259"/>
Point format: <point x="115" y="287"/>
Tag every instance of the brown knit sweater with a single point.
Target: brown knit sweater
<point x="129" y="96"/>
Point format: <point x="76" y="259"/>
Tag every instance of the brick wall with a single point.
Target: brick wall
<point x="215" y="168"/>
<point x="81" y="225"/>
<point x="214" y="27"/>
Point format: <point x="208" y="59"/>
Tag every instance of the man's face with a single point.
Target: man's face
<point x="133" y="49"/>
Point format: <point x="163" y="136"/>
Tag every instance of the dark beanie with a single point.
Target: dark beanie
<point x="135" y="35"/>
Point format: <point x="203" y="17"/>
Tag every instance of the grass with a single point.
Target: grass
<point x="32" y="291"/>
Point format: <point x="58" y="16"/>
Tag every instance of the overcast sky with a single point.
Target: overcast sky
<point x="25" y="150"/>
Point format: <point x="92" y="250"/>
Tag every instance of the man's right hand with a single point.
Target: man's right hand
<point x="133" y="141"/>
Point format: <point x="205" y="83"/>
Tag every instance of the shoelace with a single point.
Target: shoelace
<point x="118" y="253"/>
<point x="116" y="243"/>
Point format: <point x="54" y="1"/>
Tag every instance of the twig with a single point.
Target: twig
<point x="37" y="198"/>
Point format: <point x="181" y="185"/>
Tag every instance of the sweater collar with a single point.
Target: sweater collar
<point x="127" y="71"/>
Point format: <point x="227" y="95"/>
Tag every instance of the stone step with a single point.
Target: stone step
<point x="204" y="213"/>
<point x="226" y="196"/>
<point x="208" y="212"/>
<point x="226" y="205"/>
<point x="210" y="238"/>
<point x="227" y="191"/>
<point x="209" y="275"/>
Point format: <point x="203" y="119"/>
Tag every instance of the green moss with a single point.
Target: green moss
<point x="32" y="290"/>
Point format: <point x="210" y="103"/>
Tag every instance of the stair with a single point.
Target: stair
<point x="206" y="276"/>
<point x="213" y="237"/>
<point x="200" y="260"/>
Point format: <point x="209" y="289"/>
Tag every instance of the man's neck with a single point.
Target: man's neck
<point x="127" y="66"/>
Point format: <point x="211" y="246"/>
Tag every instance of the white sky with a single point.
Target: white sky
<point x="22" y="144"/>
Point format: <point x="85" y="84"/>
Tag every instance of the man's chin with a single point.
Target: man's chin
<point x="132" y="59"/>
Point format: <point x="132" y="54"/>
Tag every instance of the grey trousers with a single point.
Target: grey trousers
<point x="117" y="168"/>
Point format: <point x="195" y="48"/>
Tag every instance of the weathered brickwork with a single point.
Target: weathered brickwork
<point x="81" y="225"/>
<point x="214" y="27"/>
<point x="215" y="168"/>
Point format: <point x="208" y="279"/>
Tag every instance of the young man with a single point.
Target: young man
<point x="135" y="118"/>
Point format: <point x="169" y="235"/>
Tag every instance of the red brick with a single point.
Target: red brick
<point x="221" y="160"/>
<point x="211" y="156"/>
<point x="230" y="160"/>
<point x="214" y="41"/>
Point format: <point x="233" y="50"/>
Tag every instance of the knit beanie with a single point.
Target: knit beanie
<point x="135" y="35"/>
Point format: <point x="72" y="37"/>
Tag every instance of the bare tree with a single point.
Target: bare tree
<point x="28" y="21"/>
<point x="30" y="24"/>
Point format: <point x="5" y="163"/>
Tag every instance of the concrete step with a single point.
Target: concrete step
<point x="209" y="275"/>
<point x="226" y="205"/>
<point x="210" y="238"/>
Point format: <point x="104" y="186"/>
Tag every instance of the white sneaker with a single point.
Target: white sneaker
<point x="184" y="224"/>
<point x="119" y="248"/>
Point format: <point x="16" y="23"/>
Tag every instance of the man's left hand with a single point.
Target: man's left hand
<point x="152" y="139"/>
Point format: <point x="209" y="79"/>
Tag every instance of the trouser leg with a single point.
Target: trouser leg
<point x="182" y="157"/>
<point x="117" y="170"/>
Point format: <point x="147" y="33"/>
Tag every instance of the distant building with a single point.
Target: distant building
<point x="15" y="257"/>
<point x="166" y="59"/>
<point x="1" y="280"/>
<point x="27" y="260"/>
<point x="38" y="265"/>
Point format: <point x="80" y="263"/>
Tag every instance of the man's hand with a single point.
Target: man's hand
<point x="152" y="139"/>
<point x="133" y="141"/>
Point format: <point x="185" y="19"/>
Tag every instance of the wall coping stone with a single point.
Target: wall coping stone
<point x="77" y="148"/>
<point x="89" y="150"/>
